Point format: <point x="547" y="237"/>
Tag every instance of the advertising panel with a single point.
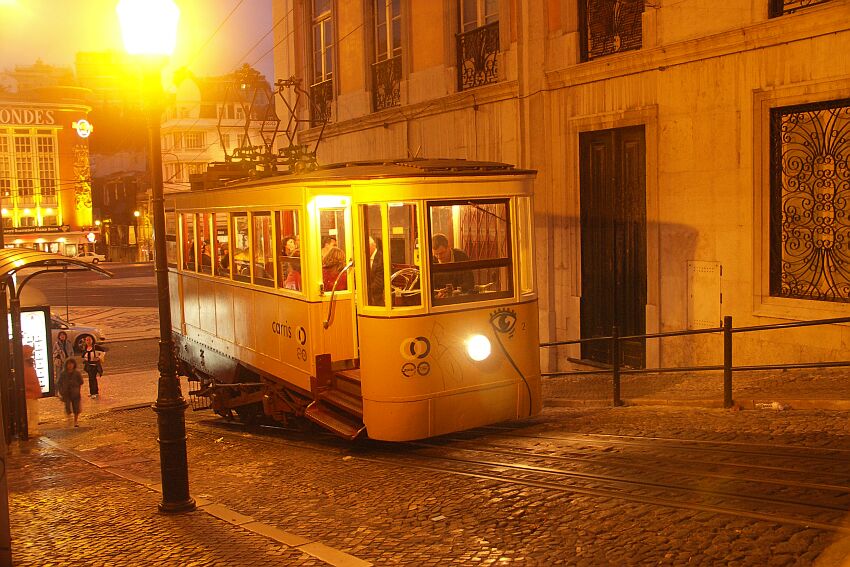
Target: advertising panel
<point x="35" y="330"/>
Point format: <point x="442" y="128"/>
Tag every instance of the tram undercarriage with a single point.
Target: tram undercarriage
<point x="228" y="386"/>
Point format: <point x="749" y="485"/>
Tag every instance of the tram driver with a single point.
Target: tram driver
<point x="456" y="281"/>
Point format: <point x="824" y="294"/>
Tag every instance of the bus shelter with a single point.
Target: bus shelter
<point x="18" y="266"/>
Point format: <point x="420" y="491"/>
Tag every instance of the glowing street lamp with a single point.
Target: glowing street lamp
<point x="149" y="29"/>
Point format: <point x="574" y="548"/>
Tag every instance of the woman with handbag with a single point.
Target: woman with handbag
<point x="92" y="366"/>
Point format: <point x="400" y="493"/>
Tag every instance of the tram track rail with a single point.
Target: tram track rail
<point x="796" y="512"/>
<point x="691" y="444"/>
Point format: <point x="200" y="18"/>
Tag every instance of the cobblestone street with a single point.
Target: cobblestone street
<point x="433" y="503"/>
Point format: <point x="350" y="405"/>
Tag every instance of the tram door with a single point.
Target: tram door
<point x="336" y="249"/>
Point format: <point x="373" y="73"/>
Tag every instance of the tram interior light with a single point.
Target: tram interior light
<point x="478" y="347"/>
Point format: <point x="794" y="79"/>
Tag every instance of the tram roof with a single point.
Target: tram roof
<point x="412" y="167"/>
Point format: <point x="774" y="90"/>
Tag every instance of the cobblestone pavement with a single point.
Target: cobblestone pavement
<point x="67" y="512"/>
<point x="376" y="503"/>
<point x="798" y="388"/>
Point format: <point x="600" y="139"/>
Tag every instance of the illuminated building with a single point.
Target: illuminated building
<point x="190" y="130"/>
<point x="692" y="158"/>
<point x="44" y="170"/>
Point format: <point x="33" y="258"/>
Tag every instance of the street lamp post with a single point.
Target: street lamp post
<point x="149" y="29"/>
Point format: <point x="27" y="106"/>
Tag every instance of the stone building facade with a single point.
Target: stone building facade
<point x="692" y="157"/>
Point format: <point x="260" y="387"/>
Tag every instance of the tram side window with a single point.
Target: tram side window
<point x="204" y="239"/>
<point x="240" y="250"/>
<point x="221" y="245"/>
<point x="289" y="251"/>
<point x="188" y="244"/>
<point x="263" y="249"/>
<point x="470" y="251"/>
<point x="404" y="255"/>
<point x="374" y="254"/>
<point x="171" y="238"/>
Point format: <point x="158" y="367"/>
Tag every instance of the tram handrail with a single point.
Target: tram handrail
<point x="726" y="330"/>
<point x="332" y="304"/>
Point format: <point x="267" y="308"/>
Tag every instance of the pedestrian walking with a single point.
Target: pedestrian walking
<point x="62" y="350"/>
<point x="68" y="387"/>
<point x="33" y="390"/>
<point x="92" y="366"/>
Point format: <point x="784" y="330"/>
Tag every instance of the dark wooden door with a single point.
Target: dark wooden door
<point x="613" y="241"/>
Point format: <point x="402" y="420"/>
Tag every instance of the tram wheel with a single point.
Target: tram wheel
<point x="250" y="414"/>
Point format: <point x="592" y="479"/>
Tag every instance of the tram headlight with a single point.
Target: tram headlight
<point x="478" y="347"/>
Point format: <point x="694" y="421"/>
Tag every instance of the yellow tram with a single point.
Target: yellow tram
<point x="394" y="298"/>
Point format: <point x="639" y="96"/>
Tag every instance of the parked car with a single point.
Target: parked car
<point x="76" y="333"/>
<point x="90" y="257"/>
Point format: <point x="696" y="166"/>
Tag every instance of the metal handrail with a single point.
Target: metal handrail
<point x="727" y="367"/>
<point x="332" y="305"/>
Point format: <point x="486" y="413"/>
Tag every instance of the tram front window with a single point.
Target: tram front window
<point x="470" y="251"/>
<point x="404" y="255"/>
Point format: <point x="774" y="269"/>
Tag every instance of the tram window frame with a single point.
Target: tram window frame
<point x="525" y="244"/>
<point x="506" y="263"/>
<point x="410" y="296"/>
<point x="372" y="295"/>
<point x="286" y="262"/>
<point x="234" y="236"/>
<point x="262" y="279"/>
<point x="221" y="270"/>
<point x="188" y="249"/>
<point x="171" y="255"/>
<point x="202" y="222"/>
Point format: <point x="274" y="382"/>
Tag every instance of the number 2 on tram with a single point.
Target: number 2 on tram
<point x="395" y="300"/>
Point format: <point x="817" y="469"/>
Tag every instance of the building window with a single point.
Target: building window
<point x="225" y="142"/>
<point x="781" y="7"/>
<point x="809" y="186"/>
<point x="5" y="169"/>
<point x="7" y="222"/>
<point x="49" y="221"/>
<point x="478" y="43"/>
<point x="321" y="89"/>
<point x="386" y="71"/>
<point x="193" y="140"/>
<point x="610" y="26"/>
<point x="26" y="221"/>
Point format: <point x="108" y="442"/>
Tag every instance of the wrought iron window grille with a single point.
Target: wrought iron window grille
<point x="321" y="97"/>
<point x="610" y="26"/>
<point x="778" y="8"/>
<point x="477" y="57"/>
<point x="810" y="201"/>
<point x="386" y="83"/>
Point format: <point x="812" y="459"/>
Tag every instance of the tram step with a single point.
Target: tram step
<point x="329" y="419"/>
<point x="348" y="381"/>
<point x="344" y="401"/>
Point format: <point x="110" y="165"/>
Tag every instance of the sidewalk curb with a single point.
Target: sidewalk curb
<point x="320" y="551"/>
<point x="752" y="404"/>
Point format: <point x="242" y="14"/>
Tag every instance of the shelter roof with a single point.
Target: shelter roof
<point x="15" y="259"/>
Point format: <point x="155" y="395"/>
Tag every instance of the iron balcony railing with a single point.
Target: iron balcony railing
<point x="321" y="97"/>
<point x="386" y="83"/>
<point x="616" y="370"/>
<point x="609" y="27"/>
<point x="778" y="8"/>
<point x="477" y="57"/>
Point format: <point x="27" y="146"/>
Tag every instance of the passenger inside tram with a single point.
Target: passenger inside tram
<point x="293" y="272"/>
<point x="333" y="262"/>
<point x="454" y="282"/>
<point x="376" y="272"/>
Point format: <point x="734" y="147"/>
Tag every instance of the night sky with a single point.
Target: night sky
<point x="54" y="30"/>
